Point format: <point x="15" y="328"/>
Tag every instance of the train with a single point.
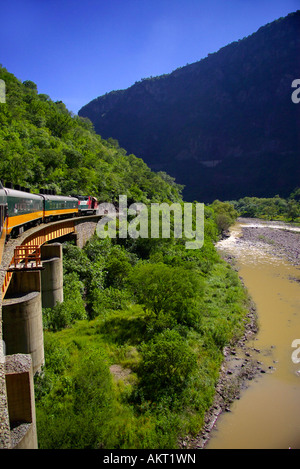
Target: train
<point x="20" y="209"/>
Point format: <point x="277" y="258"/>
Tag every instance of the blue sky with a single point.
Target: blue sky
<point x="77" y="50"/>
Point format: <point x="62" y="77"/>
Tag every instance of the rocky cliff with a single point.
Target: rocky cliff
<point x="225" y="126"/>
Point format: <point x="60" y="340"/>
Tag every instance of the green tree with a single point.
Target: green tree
<point x="225" y="214"/>
<point x="170" y="290"/>
<point x="30" y="85"/>
<point x="293" y="210"/>
<point x="117" y="268"/>
<point x="296" y="194"/>
<point x="167" y="363"/>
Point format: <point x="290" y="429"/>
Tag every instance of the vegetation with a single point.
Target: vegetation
<point x="272" y="208"/>
<point x="225" y="214"/>
<point x="42" y="144"/>
<point x="132" y="355"/>
<point x="140" y="368"/>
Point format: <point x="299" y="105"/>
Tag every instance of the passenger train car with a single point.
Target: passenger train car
<point x="55" y="206"/>
<point x="3" y="217"/>
<point x="23" y="209"/>
<point x="20" y="209"/>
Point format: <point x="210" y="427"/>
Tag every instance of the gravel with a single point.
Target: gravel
<point x="281" y="242"/>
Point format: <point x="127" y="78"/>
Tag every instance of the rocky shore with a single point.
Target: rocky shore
<point x="242" y="362"/>
<point x="281" y="240"/>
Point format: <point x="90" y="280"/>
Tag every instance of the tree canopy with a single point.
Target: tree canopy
<point x="42" y="144"/>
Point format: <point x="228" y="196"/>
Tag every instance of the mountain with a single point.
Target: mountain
<point x="226" y="126"/>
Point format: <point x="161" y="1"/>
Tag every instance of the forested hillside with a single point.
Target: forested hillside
<point x="132" y="355"/>
<point x="43" y="145"/>
<point x="226" y="126"/>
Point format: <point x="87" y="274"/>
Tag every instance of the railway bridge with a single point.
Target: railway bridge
<point x="31" y="277"/>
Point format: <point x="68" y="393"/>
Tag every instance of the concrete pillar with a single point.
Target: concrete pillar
<point x="22" y="317"/>
<point x="52" y="275"/>
<point x="21" y="403"/>
<point x="85" y="230"/>
<point x="5" y="441"/>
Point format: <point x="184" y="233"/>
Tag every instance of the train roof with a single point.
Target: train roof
<point x="84" y="197"/>
<point x="58" y="197"/>
<point x="21" y="194"/>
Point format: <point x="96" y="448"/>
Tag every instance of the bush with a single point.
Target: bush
<point x="117" y="268"/>
<point x="225" y="214"/>
<point x="84" y="403"/>
<point x="109" y="299"/>
<point x="174" y="290"/>
<point x="223" y="221"/>
<point x="167" y="363"/>
<point x="71" y="309"/>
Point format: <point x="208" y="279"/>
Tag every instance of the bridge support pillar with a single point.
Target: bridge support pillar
<point x="21" y="404"/>
<point x="85" y="229"/>
<point x="22" y="317"/>
<point x="52" y="275"/>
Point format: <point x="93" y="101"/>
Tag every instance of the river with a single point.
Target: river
<point x="267" y="415"/>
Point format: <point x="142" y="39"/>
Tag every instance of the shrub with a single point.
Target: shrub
<point x="162" y="288"/>
<point x="71" y="309"/>
<point x="167" y="363"/>
<point x="118" y="268"/>
<point x="84" y="406"/>
<point x="109" y="299"/>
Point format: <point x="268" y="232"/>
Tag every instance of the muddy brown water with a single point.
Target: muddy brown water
<point x="267" y="415"/>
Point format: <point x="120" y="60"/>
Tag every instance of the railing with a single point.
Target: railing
<point x="26" y="257"/>
<point x="29" y="251"/>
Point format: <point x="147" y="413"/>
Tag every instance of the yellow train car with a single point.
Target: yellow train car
<point x="24" y="209"/>
<point x="3" y="219"/>
<point x="57" y="206"/>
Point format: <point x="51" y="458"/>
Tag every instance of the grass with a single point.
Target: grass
<point x="77" y="374"/>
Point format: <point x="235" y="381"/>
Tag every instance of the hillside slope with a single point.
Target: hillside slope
<point x="225" y="126"/>
<point x="42" y="144"/>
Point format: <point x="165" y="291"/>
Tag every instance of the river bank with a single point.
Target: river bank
<point x="279" y="239"/>
<point x="242" y="362"/>
<point x="241" y="365"/>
